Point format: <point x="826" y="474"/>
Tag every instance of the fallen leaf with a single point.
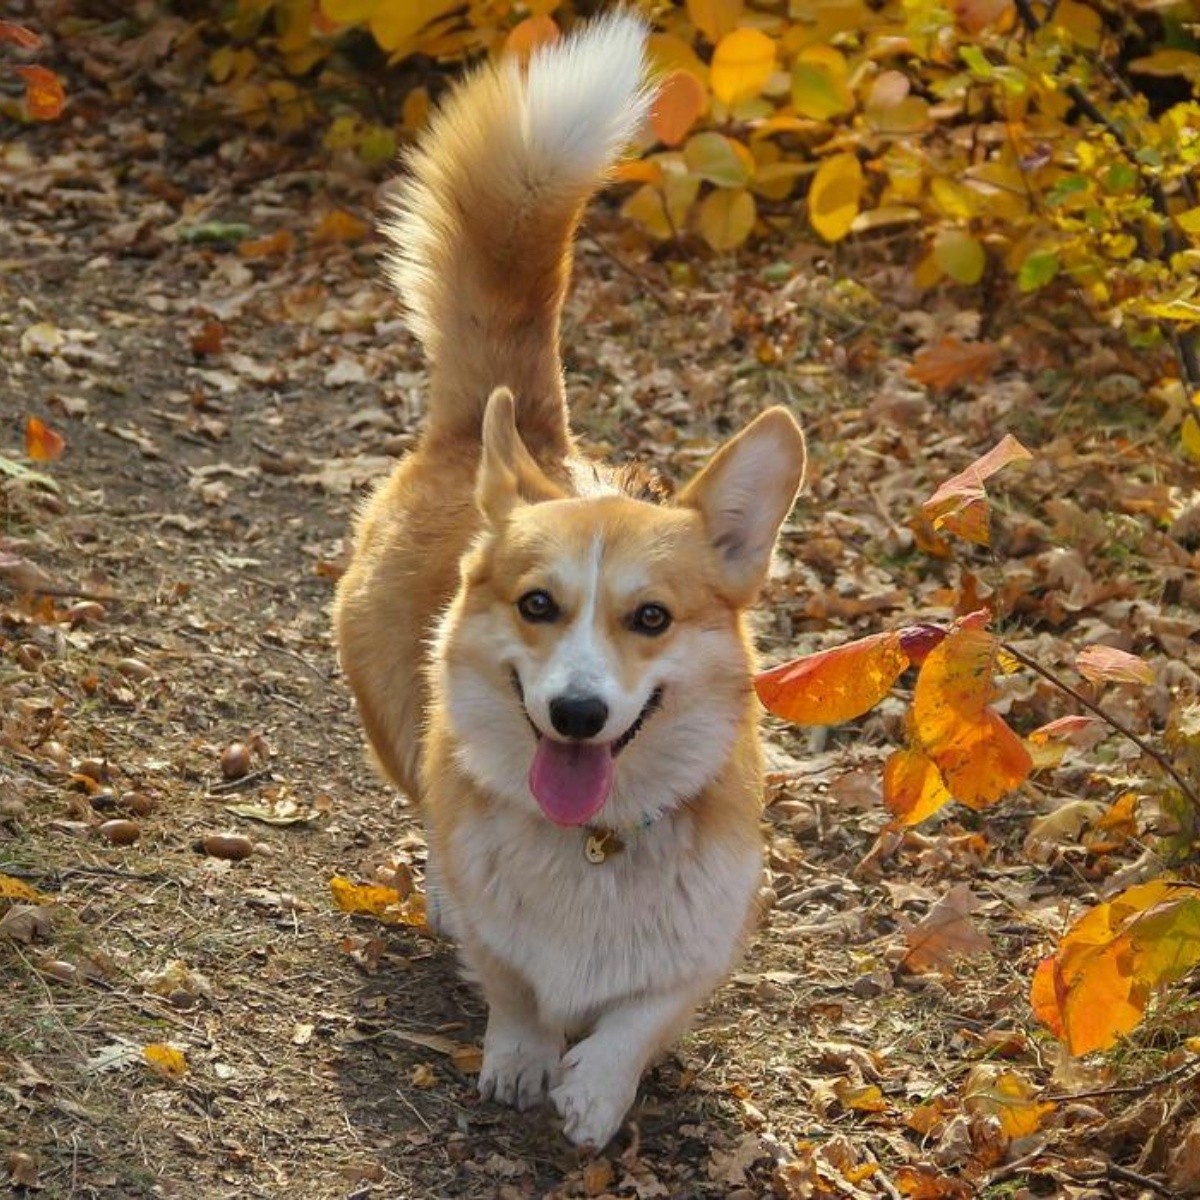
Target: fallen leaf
<point x="950" y="362"/>
<point x="946" y="933"/>
<point x="165" y="1060"/>
<point x="384" y="903"/>
<point x="42" y="444"/>
<point x="44" y="94"/>
<point x="27" y="922"/>
<point x="1009" y="1097"/>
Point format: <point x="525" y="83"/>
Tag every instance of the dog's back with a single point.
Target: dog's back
<point x="481" y="236"/>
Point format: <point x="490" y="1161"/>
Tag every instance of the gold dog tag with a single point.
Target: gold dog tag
<point x="601" y="845"/>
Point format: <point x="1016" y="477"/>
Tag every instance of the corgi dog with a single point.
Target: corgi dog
<point x="551" y="660"/>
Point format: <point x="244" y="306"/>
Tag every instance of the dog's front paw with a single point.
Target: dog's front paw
<point x="593" y="1097"/>
<point x="519" y="1073"/>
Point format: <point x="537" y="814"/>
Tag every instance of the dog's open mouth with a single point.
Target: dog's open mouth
<point x="572" y="780"/>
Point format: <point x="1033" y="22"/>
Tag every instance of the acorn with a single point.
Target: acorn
<point x="120" y="832"/>
<point x="235" y="760"/>
<point x="231" y="846"/>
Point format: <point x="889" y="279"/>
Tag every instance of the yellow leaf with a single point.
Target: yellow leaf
<point x="220" y="65"/>
<point x="396" y="25"/>
<point x="338" y="225"/>
<point x="715" y="18"/>
<point x="1169" y="62"/>
<point x="648" y="208"/>
<point x="1008" y="1097"/>
<point x="726" y="218"/>
<point x="742" y="63"/>
<point x="669" y="53"/>
<point x="861" y="1097"/>
<point x="952" y="198"/>
<point x="1189" y="436"/>
<point x="913" y="788"/>
<point x="835" y="196"/>
<point x="960" y="255"/>
<point x="1080" y="22"/>
<point x="165" y="1060"/>
<point x="16" y="889"/>
<point x="910" y="115"/>
<point x="351" y="12"/>
<point x="1189" y="220"/>
<point x="375" y="900"/>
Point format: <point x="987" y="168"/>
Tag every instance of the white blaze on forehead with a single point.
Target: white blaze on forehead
<point x="583" y="661"/>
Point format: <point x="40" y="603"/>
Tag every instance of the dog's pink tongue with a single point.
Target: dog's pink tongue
<point x="571" y="780"/>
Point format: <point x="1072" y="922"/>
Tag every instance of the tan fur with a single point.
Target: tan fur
<point x="452" y="682"/>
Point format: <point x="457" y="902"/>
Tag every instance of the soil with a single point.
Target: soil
<point x="224" y="400"/>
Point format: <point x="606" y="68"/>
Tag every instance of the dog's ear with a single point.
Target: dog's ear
<point x="508" y="474"/>
<point x="744" y="494"/>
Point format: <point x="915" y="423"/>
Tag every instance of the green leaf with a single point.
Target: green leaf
<point x="713" y="157"/>
<point x="1039" y="267"/>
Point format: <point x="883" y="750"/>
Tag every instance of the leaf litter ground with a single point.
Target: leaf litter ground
<point x="222" y="411"/>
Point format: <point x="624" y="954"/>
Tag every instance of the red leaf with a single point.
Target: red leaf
<point x="19" y="36"/>
<point x="917" y="640"/>
<point x="835" y="685"/>
<point x="44" y="95"/>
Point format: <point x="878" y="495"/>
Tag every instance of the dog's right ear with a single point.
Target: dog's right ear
<point x="508" y="474"/>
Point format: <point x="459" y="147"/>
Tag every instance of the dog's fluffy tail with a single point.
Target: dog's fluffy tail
<point x="482" y="227"/>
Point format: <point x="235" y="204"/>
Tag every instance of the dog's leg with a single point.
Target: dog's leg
<point x="521" y="1056"/>
<point x="600" y="1075"/>
<point x="435" y="898"/>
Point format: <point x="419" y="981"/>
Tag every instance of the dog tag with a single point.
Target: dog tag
<point x="601" y="845"/>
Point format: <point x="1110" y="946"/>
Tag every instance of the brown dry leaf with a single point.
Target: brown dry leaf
<point x="951" y="362"/>
<point x="338" y="225"/>
<point x="947" y="933"/>
<point x="1183" y="1163"/>
<point x="22" y="575"/>
<point x="27" y="922"/>
<point x="923" y="1182"/>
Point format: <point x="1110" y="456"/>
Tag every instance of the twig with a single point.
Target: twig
<point x="242" y="781"/>
<point x="1115" y="1171"/>
<point x="1183" y="1071"/>
<point x="65" y="593"/>
<point x="651" y="289"/>
<point x="1144" y="746"/>
<point x="1182" y="340"/>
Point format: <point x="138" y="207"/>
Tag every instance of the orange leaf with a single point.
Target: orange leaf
<point x="44" y="95"/>
<point x="277" y="244"/>
<point x="951" y="362"/>
<point x="960" y="504"/>
<point x="338" y="225"/>
<point x="979" y="757"/>
<point x="1099" y="664"/>
<point x="1096" y="987"/>
<point x="862" y="1097"/>
<point x="19" y="36"/>
<point x="913" y="788"/>
<point x="835" y="685"/>
<point x="376" y="900"/>
<point x="526" y="36"/>
<point x="42" y="444"/>
<point x="680" y="102"/>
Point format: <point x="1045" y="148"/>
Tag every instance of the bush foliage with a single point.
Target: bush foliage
<point x="1036" y="142"/>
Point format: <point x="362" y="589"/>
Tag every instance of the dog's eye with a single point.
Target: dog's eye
<point x="537" y="606"/>
<point x="650" y="619"/>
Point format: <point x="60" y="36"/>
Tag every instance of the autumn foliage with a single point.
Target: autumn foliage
<point x="1097" y="985"/>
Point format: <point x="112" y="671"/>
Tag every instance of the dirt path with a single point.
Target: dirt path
<point x="221" y="412"/>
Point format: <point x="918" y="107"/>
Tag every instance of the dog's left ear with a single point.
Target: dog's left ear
<point x="745" y="493"/>
<point x="508" y="474"/>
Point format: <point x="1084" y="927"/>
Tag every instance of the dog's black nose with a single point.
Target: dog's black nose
<point x="578" y="716"/>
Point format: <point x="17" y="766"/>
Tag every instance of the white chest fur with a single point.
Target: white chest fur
<point x="663" y="913"/>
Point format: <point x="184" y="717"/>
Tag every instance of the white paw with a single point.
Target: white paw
<point x="519" y="1072"/>
<point x="592" y="1098"/>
